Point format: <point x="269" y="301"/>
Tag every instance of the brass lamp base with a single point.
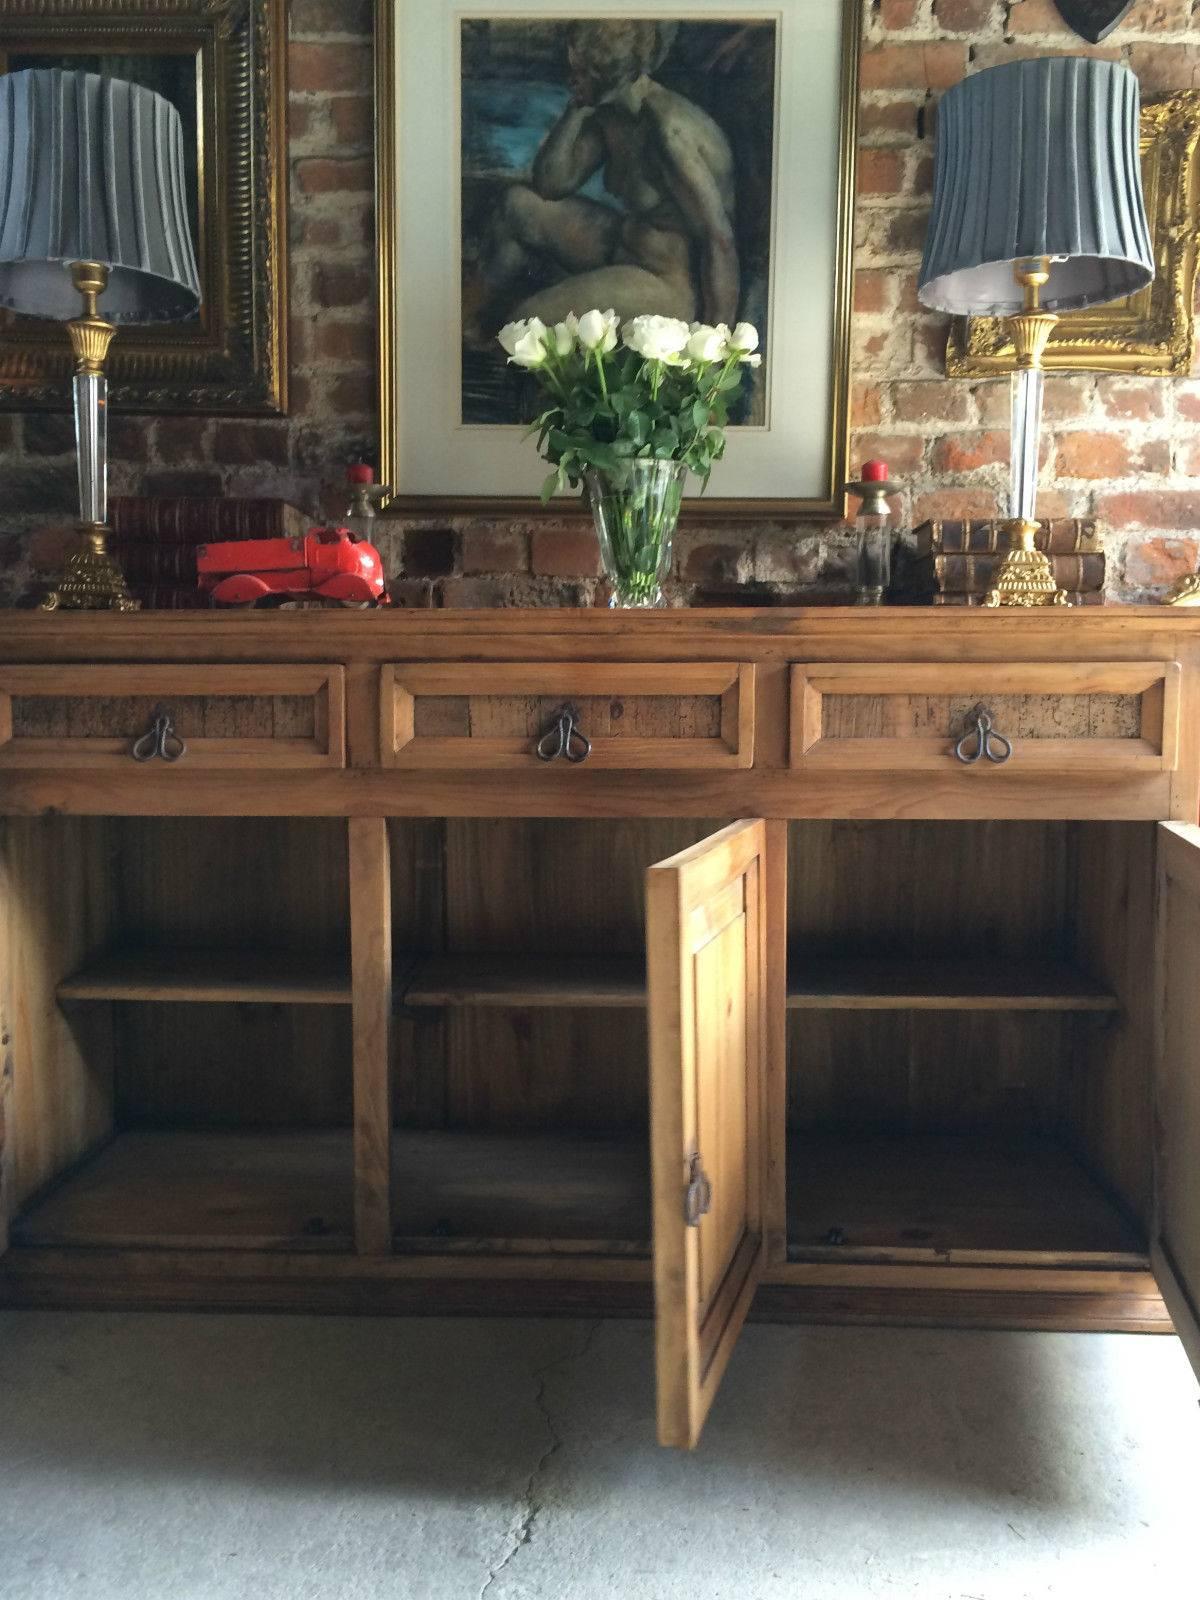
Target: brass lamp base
<point x="1024" y="577"/>
<point x="91" y="579"/>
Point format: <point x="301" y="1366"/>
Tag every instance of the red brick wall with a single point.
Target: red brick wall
<point x="1123" y="449"/>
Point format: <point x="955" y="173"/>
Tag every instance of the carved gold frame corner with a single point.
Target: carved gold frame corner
<point x="1151" y="333"/>
<point x="1186" y="592"/>
<point x="234" y="359"/>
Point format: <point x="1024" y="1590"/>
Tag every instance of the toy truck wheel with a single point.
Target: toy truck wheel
<point x="348" y="589"/>
<point x="240" y="589"/>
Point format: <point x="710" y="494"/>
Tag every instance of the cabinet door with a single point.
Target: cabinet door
<point x="1175" y="1246"/>
<point x="706" y="961"/>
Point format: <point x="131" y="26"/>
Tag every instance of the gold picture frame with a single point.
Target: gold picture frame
<point x="401" y="373"/>
<point x="1151" y="332"/>
<point x="223" y="63"/>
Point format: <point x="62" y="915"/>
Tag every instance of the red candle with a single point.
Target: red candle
<point x="874" y="472"/>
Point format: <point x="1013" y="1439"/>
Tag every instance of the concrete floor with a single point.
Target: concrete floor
<point x="208" y="1458"/>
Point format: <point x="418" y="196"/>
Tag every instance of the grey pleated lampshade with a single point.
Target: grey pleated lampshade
<point x="91" y="169"/>
<point x="1037" y="158"/>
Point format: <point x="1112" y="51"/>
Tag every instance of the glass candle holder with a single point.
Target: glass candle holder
<point x="873" y="535"/>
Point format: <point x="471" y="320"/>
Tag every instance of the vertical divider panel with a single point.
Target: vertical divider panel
<point x="57" y="906"/>
<point x="371" y="980"/>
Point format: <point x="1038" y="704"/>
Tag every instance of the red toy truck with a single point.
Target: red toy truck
<point x="330" y="564"/>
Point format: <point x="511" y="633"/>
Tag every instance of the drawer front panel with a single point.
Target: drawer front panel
<point x="250" y="717"/>
<point x="1095" y="718"/>
<point x="665" y="717"/>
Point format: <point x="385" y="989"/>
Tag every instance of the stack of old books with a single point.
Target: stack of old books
<point x="155" y="538"/>
<point x="953" y="563"/>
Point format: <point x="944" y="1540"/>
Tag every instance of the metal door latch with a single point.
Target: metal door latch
<point x="564" y="738"/>
<point x="989" y="743"/>
<point x="159" y="740"/>
<point x="697" y="1197"/>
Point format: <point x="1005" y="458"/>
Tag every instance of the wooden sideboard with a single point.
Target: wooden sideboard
<point x="565" y="961"/>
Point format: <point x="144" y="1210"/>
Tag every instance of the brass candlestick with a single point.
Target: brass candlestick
<point x="1025" y="577"/>
<point x="91" y="579"/>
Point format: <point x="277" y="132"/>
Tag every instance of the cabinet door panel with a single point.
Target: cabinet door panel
<point x="707" y="969"/>
<point x="1175" y="1250"/>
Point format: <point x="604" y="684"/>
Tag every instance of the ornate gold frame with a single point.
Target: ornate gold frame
<point x="1151" y="332"/>
<point x="234" y="358"/>
<point x="831" y="504"/>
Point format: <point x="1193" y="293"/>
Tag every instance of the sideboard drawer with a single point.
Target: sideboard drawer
<point x="1110" y="717"/>
<point x="219" y="716"/>
<point x="489" y="716"/>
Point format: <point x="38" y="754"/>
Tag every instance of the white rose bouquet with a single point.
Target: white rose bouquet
<point x="654" y="388"/>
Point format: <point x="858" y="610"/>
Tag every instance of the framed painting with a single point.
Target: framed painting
<point x="1151" y="332"/>
<point x="691" y="158"/>
<point x="221" y="64"/>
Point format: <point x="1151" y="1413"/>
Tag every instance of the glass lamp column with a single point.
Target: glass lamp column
<point x="1025" y="577"/>
<point x="91" y="580"/>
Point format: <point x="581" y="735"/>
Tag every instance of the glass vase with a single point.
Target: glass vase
<point x="636" y="508"/>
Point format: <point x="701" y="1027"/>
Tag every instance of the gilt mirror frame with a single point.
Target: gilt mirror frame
<point x="791" y="461"/>
<point x="1151" y="333"/>
<point x="232" y="357"/>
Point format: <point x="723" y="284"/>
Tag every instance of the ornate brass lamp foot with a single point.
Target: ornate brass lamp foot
<point x="91" y="579"/>
<point x="1024" y="577"/>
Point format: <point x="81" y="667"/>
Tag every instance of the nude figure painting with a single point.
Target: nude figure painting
<point x="623" y="164"/>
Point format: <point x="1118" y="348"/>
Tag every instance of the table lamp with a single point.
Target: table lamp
<point x="1037" y="208"/>
<point x="92" y="204"/>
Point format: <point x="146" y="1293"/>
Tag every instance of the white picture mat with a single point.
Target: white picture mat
<point x="434" y="452"/>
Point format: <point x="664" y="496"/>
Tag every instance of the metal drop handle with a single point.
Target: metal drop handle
<point x="697" y="1197"/>
<point x="564" y="739"/>
<point x="159" y="740"/>
<point x="990" y="744"/>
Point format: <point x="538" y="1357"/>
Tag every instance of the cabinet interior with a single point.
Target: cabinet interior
<point x="186" y="1075"/>
<point x="970" y="1007"/>
<point x="969" y="1040"/>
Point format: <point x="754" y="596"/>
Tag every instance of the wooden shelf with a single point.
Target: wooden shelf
<point x="248" y="1191"/>
<point x="549" y="982"/>
<point x="889" y="1197"/>
<point x="239" y="976"/>
<point x="922" y="984"/>
<point x="907" y="1197"/>
<point x="541" y="981"/>
<point x="521" y="1193"/>
<point x="452" y="1192"/>
<point x="879" y="984"/>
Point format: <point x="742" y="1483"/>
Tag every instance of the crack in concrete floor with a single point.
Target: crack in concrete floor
<point x="520" y="1532"/>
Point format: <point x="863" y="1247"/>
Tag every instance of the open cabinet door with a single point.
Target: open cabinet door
<point x="7" y="1029"/>
<point x="705" y="928"/>
<point x="1175" y="1247"/>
